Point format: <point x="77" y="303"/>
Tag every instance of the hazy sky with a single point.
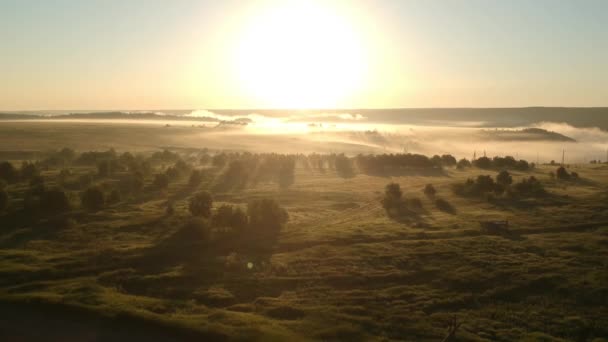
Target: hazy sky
<point x="154" y="54"/>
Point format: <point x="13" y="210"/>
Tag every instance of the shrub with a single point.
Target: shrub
<point x="200" y="204"/>
<point x="429" y="190"/>
<point x="93" y="199"/>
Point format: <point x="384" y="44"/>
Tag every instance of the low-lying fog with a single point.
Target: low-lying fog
<point x="324" y="133"/>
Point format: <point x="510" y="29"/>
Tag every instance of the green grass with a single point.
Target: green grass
<point x="341" y="269"/>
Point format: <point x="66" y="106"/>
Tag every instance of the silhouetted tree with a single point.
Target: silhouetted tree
<point x="504" y="178"/>
<point x="392" y="201"/>
<point x="463" y="163"/>
<point x="562" y="174"/>
<point x="200" y="204"/>
<point x="8" y="172"/>
<point x="266" y="216"/>
<point x="93" y="199"/>
<point x="196" y="177"/>
<point x="344" y="166"/>
<point x="54" y="201"/>
<point x="161" y="181"/>
<point x="483" y="163"/>
<point x="219" y="160"/>
<point x="448" y="160"/>
<point x="28" y="170"/>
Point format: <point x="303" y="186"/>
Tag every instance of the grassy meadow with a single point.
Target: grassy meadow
<point x="339" y="269"/>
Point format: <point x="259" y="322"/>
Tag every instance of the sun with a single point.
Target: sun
<point x="300" y="55"/>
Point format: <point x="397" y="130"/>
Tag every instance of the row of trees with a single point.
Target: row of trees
<point x="502" y="184"/>
<point x="502" y="163"/>
<point x="251" y="169"/>
<point x="259" y="225"/>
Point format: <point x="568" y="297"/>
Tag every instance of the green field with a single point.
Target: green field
<point x="340" y="269"/>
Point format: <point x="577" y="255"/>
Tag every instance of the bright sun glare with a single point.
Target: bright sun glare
<point x="300" y="55"/>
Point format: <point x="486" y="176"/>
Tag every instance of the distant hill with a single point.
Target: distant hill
<point x="466" y="117"/>
<point x="107" y="116"/>
<point x="526" y="134"/>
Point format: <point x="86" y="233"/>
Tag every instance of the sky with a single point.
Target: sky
<point x="186" y="54"/>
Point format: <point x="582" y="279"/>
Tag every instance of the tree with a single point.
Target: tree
<point x="54" y="201"/>
<point x="429" y="190"/>
<point x="3" y="200"/>
<point x="392" y="201"/>
<point x="8" y="172"/>
<point x="161" y="181"/>
<point x="504" y="178"/>
<point x="196" y="177"/>
<point x="344" y="166"/>
<point x="483" y="163"/>
<point x="562" y="174"/>
<point x="463" y="163"/>
<point x="28" y="170"/>
<point x="286" y="173"/>
<point x="93" y="199"/>
<point x="266" y="215"/>
<point x="200" y="204"/>
<point x="222" y="216"/>
<point x="239" y="219"/>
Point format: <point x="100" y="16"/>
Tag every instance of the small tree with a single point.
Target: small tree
<point x="562" y="174"/>
<point x="392" y="201"/>
<point x="93" y="199"/>
<point x="504" y="178"/>
<point x="54" y="201"/>
<point x="196" y="177"/>
<point x="429" y="190"/>
<point x="8" y="172"/>
<point x="266" y="215"/>
<point x="200" y="204"/>
<point x="463" y="163"/>
<point x="483" y="163"/>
